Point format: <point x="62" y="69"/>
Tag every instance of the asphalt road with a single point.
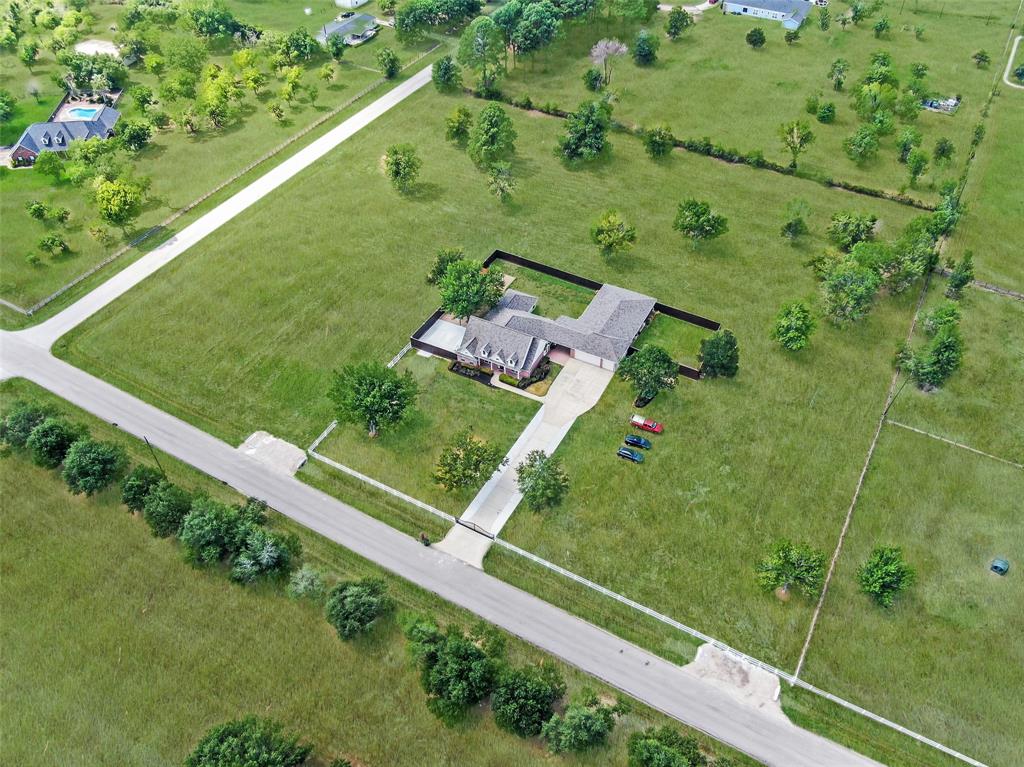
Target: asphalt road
<point x="766" y="735"/>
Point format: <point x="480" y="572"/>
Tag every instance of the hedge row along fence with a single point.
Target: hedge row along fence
<point x="704" y="146"/>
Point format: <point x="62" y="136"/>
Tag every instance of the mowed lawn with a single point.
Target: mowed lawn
<point x="242" y="333"/>
<point x="406" y="456"/>
<point x="947" y="660"/>
<point x="982" y="404"/>
<point x="116" y="651"/>
<point x="181" y="167"/>
<point x="711" y="83"/>
<point x="995" y="201"/>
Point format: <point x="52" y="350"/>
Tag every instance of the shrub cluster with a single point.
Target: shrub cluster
<point x="53" y="442"/>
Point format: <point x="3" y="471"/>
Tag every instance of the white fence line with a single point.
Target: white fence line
<point x="398" y="357"/>
<point x="660" y="617"/>
<point x="954" y="443"/>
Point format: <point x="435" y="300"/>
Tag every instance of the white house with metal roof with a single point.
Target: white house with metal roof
<point x="511" y="339"/>
<point x="790" y="12"/>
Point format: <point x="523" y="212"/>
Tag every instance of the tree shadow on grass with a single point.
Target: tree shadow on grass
<point x="425" y="191"/>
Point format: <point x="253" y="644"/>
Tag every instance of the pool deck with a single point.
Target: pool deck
<point x="63" y="111"/>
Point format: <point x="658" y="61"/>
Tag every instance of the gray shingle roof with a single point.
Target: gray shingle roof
<point x="56" y="136"/>
<point x="489" y="341"/>
<point x="606" y="328"/>
<point x="779" y="6"/>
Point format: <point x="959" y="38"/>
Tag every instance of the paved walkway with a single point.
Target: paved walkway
<point x="664" y="686"/>
<point x="49" y="331"/>
<point x="576" y="390"/>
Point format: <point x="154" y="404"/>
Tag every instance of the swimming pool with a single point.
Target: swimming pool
<point x="83" y="113"/>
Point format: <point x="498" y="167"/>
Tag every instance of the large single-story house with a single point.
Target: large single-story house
<point x="57" y="136"/>
<point x="511" y="339"/>
<point x="790" y="12"/>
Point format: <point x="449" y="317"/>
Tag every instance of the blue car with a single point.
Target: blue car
<point x="630" y="455"/>
<point x="634" y="441"/>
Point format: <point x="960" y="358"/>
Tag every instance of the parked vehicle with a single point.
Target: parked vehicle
<point x="346" y="15"/>
<point x="646" y="424"/>
<point x="358" y="38"/>
<point x="630" y="455"/>
<point x="636" y="441"/>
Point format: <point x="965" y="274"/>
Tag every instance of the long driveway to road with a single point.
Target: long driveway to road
<point x="764" y="734"/>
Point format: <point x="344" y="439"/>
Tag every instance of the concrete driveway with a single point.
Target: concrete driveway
<point x="576" y="390"/>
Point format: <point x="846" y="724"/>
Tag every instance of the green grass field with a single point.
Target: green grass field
<point x="243" y="332"/>
<point x="797" y="424"/>
<point x="405" y="458"/>
<point x="943" y="657"/>
<point x="982" y="405"/>
<point x="711" y="83"/>
<point x="181" y="167"/>
<point x="115" y="651"/>
<point x="995" y="203"/>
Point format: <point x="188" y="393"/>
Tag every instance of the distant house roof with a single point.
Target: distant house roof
<point x="606" y="328"/>
<point x="56" y="136"/>
<point x="797" y="10"/>
<point x="342" y="27"/>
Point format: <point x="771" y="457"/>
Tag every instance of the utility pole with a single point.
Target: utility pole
<point x="153" y="453"/>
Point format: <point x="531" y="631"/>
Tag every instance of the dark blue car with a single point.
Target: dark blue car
<point x="630" y="455"/>
<point x="634" y="441"/>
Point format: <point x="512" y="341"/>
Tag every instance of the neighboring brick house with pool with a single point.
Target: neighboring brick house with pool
<point x="73" y="122"/>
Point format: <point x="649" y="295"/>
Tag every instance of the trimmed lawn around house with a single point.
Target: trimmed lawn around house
<point x="405" y="457"/>
<point x="88" y="588"/>
<point x="711" y="83"/>
<point x="941" y="660"/>
<point x="680" y="339"/>
<point x="555" y="297"/>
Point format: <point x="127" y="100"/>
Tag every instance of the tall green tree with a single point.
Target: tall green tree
<point x="466" y="288"/>
<point x="444" y="258"/>
<point x="586" y="132"/>
<point x="793" y="326"/>
<point x="650" y="369"/>
<point x="719" y="355"/>
<point x="492" y="136"/>
<point x="119" y="202"/>
<point x="613" y="234"/>
<point x="756" y="38"/>
<point x="796" y="137"/>
<point x="645" y="48"/>
<point x="961" y="276"/>
<point x="581" y="727"/>
<point x="792" y="567"/>
<point x="402" y="165"/>
<point x="21" y="420"/>
<point x="447" y="75"/>
<point x="696" y="220"/>
<point x="541" y="480"/>
<point x="372" y="395"/>
<point x="467" y="461"/>
<point x="679" y="20"/>
<point x="137" y="485"/>
<point x="482" y="49"/>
